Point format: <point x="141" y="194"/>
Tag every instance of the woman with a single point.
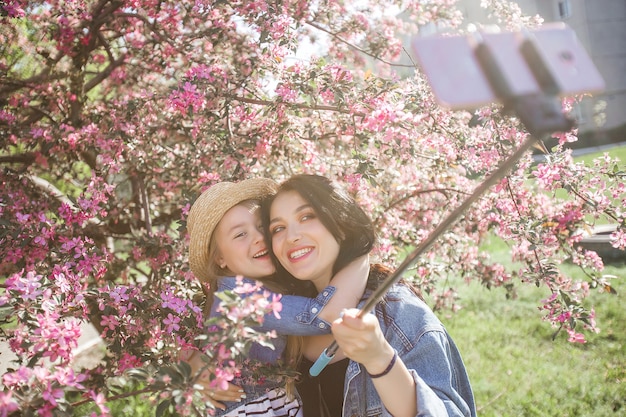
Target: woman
<point x="226" y="239"/>
<point x="400" y="360"/>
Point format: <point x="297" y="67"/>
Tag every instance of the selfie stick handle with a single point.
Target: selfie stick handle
<point x="324" y="359"/>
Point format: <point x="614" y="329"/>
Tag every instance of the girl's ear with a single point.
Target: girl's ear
<point x="219" y="260"/>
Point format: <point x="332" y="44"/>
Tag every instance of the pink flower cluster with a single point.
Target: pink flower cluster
<point x="117" y="118"/>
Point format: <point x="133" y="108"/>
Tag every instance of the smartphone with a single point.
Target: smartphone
<point x="467" y="72"/>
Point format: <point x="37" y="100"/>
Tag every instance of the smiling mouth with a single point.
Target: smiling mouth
<point x="299" y="253"/>
<point x="260" y="254"/>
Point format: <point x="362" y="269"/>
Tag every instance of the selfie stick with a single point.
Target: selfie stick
<point x="540" y="112"/>
<point x="371" y="302"/>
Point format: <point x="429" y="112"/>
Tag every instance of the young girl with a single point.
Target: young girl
<point x="226" y="239"/>
<point x="400" y="360"/>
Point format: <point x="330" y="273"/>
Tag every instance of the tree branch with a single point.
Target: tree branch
<point x="294" y="105"/>
<point x="351" y="45"/>
<point x="24" y="158"/>
<point x="101" y="76"/>
<point x="143" y="198"/>
<point x="443" y="191"/>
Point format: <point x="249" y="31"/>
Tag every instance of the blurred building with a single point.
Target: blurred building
<point x="601" y="27"/>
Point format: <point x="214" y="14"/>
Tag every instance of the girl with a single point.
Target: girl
<point x="226" y="239"/>
<point x="400" y="360"/>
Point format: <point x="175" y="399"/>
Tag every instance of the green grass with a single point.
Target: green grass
<point x="616" y="152"/>
<point x="516" y="367"/>
<point x="518" y="370"/>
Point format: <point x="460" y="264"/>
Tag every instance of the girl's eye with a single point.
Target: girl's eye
<point x="277" y="229"/>
<point x="240" y="234"/>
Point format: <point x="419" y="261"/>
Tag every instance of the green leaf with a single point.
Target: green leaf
<point x="163" y="407"/>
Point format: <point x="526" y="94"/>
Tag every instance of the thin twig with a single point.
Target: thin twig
<point x="351" y="45"/>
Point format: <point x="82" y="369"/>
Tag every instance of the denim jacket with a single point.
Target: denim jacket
<point x="299" y="316"/>
<point x="432" y="358"/>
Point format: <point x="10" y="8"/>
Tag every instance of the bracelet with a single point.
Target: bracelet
<point x="388" y="369"/>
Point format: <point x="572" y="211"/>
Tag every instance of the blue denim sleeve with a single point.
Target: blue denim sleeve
<point x="442" y="387"/>
<point x="299" y="315"/>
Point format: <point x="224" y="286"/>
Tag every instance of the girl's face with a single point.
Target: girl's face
<point x="241" y="247"/>
<point x="301" y="242"/>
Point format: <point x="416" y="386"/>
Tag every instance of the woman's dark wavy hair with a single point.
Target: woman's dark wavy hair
<point x="337" y="211"/>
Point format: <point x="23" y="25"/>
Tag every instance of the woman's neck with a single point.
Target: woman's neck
<point x="321" y="283"/>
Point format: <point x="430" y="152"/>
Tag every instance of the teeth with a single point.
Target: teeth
<point x="262" y="253"/>
<point x="299" y="253"/>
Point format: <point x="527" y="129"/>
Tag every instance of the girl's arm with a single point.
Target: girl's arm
<point x="350" y="283"/>
<point x="302" y="316"/>
<point x="210" y="393"/>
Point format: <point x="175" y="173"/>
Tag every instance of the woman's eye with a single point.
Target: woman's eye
<point x="277" y="229"/>
<point x="307" y="216"/>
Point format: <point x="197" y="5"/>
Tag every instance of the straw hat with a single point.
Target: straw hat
<point x="207" y="211"/>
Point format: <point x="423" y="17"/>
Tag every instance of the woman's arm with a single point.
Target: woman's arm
<point x="429" y="379"/>
<point x="362" y="340"/>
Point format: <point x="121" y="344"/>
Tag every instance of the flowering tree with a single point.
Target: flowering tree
<point x="116" y="114"/>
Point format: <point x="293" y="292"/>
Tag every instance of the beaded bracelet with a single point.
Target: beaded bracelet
<point x="386" y="371"/>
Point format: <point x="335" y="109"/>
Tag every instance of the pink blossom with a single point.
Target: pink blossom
<point x="172" y="323"/>
<point x="170" y="300"/>
<point x="276" y="306"/>
<point x="12" y="8"/>
<point x="246" y="287"/>
<point x="128" y="361"/>
<point x="98" y="185"/>
<point x="119" y="294"/>
<point x="20" y="377"/>
<point x="6" y="117"/>
<point x="7" y="404"/>
<point x="547" y="176"/>
<point x="110" y="322"/>
<point x="22" y="218"/>
<point x="222" y="353"/>
<point x="563" y="317"/>
<point x="27" y="286"/>
<point x="286" y="93"/>
<point x="52" y="395"/>
<point x="100" y="400"/>
<point x="618" y="239"/>
<point x="575" y="337"/>
<point x="67" y="377"/>
<point x="222" y="378"/>
<point x="187" y="98"/>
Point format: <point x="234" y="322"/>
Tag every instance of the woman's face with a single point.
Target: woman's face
<point x="241" y="247"/>
<point x="301" y="242"/>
